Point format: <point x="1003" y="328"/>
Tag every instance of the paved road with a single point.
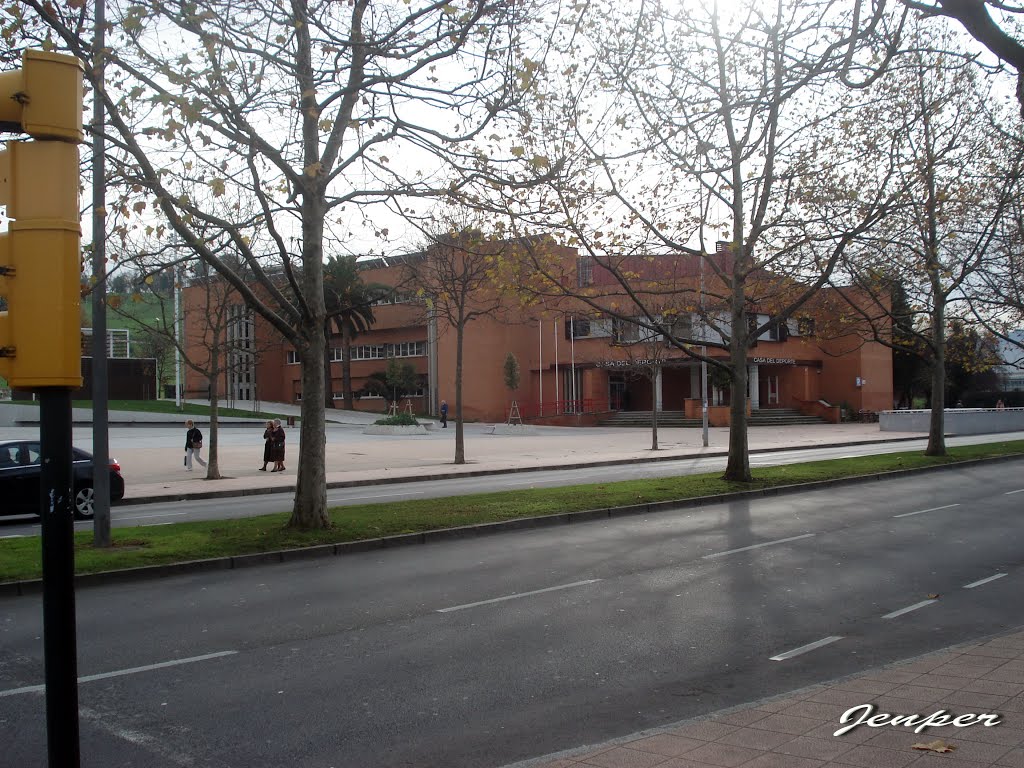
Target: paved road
<point x="481" y="652"/>
<point x="162" y="513"/>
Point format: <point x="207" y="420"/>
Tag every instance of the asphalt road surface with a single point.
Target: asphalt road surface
<point x="480" y="652"/>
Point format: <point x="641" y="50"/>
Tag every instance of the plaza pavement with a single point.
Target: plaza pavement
<point x="150" y="450"/>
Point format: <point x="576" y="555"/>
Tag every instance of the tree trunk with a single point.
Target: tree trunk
<point x="738" y="467"/>
<point x="213" y="376"/>
<point x="654" y="411"/>
<point x="310" y="508"/>
<point x="346" y="367"/>
<point x="460" y="444"/>
<point x="212" y="463"/>
<point x="937" y="422"/>
<point x="328" y="390"/>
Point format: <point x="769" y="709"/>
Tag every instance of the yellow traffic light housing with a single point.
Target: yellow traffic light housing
<point x="43" y="98"/>
<point x="39" y="180"/>
<point x="43" y="322"/>
<point x="40" y="254"/>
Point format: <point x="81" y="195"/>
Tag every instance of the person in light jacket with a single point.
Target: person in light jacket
<point x="193" y="445"/>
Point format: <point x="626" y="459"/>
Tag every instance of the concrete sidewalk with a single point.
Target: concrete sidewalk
<point x="797" y="730"/>
<point x="152" y="464"/>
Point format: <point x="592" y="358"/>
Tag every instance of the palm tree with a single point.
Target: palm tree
<point x="349" y="304"/>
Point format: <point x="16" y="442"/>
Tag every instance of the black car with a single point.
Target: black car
<point x="19" y="479"/>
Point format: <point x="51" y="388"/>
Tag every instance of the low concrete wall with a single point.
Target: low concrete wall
<point x="833" y="414"/>
<point x="13" y="415"/>
<point x="959" y="421"/>
<point x="395" y="429"/>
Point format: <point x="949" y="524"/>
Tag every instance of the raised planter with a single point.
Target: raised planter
<point x="512" y="429"/>
<point x="383" y="429"/>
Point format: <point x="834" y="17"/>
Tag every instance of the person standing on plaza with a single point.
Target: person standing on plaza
<point x="278" y="449"/>
<point x="193" y="445"/>
<point x="268" y="445"/>
<point x="444" y="414"/>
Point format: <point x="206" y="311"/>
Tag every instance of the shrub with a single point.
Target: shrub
<point x="398" y="420"/>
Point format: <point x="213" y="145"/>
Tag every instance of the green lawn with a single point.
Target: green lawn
<point x="20" y="558"/>
<point x="167" y="406"/>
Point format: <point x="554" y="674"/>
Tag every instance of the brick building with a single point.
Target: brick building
<point x="575" y="361"/>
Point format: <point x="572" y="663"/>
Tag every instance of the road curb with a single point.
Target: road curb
<point x="265" y="490"/>
<point x="142" y="573"/>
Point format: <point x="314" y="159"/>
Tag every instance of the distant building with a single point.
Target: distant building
<point x="577" y="361"/>
<point x="1012" y="355"/>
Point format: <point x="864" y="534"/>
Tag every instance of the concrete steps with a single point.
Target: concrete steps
<point x="780" y="417"/>
<point x="643" y="419"/>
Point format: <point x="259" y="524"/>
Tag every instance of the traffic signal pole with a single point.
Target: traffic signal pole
<point x="40" y="336"/>
<point x="59" y="642"/>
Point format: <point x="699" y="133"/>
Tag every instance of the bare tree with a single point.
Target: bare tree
<point x="712" y="142"/>
<point x="960" y="175"/>
<point x="455" y="273"/>
<point x="300" y="113"/>
<point x="999" y="34"/>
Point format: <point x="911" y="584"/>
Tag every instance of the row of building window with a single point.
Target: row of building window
<point x="685" y="326"/>
<point x="371" y="352"/>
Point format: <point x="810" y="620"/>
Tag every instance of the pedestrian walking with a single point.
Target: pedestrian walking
<point x="268" y="445"/>
<point x="193" y="445"/>
<point x="278" y="448"/>
<point x="444" y="414"/>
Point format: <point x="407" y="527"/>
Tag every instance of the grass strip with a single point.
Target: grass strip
<point x="158" y="545"/>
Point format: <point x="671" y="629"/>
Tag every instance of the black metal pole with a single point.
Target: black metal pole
<point x="57" y="512"/>
<point x="100" y="437"/>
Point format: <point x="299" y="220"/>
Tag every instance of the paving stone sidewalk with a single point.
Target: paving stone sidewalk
<point x="796" y="730"/>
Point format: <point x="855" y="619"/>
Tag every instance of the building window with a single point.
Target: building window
<point x="292" y="357"/>
<point x="397" y="297"/>
<point x="577" y="327"/>
<point x="368" y="352"/>
<point x="625" y="331"/>
<point x="407" y="349"/>
<point x="337" y="354"/>
<point x="584" y="271"/>
<point x="777" y="331"/>
<point x="680" y="326"/>
<point x="805" y="326"/>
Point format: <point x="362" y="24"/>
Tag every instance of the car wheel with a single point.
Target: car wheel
<point x="83" y="502"/>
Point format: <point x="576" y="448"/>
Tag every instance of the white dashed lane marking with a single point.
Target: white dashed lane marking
<point x="931" y="509"/>
<point x="974" y="584"/>
<point x="908" y="609"/>
<point x="805" y="648"/>
<point x="122" y="672"/>
<point x="517" y="595"/>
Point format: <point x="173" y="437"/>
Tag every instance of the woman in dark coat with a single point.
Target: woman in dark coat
<point x="278" y="451"/>
<point x="268" y="445"/>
